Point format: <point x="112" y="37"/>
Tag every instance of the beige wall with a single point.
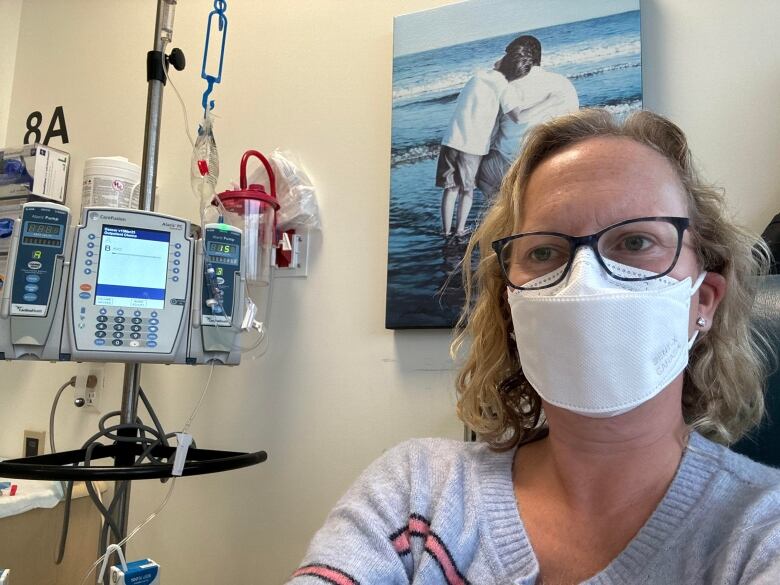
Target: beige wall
<point x="335" y="388"/>
<point x="10" y="13"/>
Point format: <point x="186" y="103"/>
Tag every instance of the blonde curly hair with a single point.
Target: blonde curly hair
<point x="723" y="384"/>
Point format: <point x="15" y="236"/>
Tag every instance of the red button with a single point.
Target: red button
<point x="86" y="287"/>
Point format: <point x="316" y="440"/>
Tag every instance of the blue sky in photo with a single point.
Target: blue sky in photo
<point x="478" y="19"/>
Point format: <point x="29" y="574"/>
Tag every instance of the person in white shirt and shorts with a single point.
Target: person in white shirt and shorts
<point x="468" y="136"/>
<point x="538" y="96"/>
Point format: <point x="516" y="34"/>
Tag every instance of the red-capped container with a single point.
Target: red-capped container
<point x="253" y="210"/>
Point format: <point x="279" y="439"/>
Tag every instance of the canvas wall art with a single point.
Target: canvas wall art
<point x="469" y="79"/>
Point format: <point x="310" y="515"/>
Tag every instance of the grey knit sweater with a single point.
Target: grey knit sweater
<point x="435" y="511"/>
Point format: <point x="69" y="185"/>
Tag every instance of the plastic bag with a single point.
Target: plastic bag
<point x="294" y="190"/>
<point x="203" y="178"/>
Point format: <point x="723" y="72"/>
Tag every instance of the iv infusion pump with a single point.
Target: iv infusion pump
<point x="121" y="286"/>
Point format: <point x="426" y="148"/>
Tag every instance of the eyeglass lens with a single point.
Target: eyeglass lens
<point x="648" y="245"/>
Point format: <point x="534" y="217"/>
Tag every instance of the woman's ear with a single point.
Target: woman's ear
<point x="711" y="293"/>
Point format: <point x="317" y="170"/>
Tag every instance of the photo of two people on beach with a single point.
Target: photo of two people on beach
<point x="461" y="109"/>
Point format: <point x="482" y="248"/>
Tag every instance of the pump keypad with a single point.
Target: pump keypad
<point x="137" y="331"/>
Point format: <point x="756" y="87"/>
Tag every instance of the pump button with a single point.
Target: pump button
<point x="117" y="342"/>
<point x="91" y="236"/>
<point x="31" y="287"/>
<point x="33" y="265"/>
<point x="102" y="319"/>
<point x="32" y="278"/>
<point x="100" y="334"/>
<point x="30" y="298"/>
<point x="101" y="326"/>
<point x="151" y="344"/>
<point x="100" y="342"/>
<point x="119" y="319"/>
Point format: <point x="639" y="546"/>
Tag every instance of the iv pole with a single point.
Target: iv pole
<point x="70" y="465"/>
<point x="156" y="78"/>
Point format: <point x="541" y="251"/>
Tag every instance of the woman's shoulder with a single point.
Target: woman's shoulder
<point x="738" y="468"/>
<point x="738" y="526"/>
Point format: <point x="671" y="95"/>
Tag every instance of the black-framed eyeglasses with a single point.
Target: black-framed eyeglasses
<point x="651" y="245"/>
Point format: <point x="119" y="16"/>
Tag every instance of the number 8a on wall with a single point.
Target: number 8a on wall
<point x="57" y="127"/>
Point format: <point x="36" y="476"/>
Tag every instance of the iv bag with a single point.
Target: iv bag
<point x="204" y="167"/>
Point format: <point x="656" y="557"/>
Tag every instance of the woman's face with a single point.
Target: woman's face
<point x="602" y="181"/>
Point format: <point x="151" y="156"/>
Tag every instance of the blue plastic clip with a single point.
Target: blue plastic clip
<point x="219" y="11"/>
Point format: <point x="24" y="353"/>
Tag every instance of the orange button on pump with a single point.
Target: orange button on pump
<point x="86" y="287"/>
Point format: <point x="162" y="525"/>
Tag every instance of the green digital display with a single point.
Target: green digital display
<point x="221" y="248"/>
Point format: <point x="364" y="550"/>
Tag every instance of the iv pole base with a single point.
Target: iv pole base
<point x="63" y="466"/>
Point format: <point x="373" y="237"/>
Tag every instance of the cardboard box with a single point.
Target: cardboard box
<point x="34" y="170"/>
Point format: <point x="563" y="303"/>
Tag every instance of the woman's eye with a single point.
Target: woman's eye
<point x="542" y="254"/>
<point x="635" y="243"/>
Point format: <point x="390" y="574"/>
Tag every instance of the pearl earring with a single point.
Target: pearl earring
<point x="701" y="321"/>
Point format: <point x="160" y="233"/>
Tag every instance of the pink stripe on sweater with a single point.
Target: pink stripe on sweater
<point x="436" y="548"/>
<point x="332" y="575"/>
<point x="418" y="526"/>
<point x="401" y="543"/>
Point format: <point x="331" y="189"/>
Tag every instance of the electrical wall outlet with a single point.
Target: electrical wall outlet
<point x="34" y="443"/>
<point x="89" y="383"/>
<point x="298" y="257"/>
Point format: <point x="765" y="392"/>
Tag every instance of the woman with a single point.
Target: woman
<point x="609" y="354"/>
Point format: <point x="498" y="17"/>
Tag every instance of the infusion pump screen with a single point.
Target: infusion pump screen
<point x="133" y="267"/>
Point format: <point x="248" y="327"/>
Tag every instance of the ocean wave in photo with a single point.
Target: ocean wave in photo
<point x="585" y="53"/>
<point x="452" y="83"/>
<point x="601" y="70"/>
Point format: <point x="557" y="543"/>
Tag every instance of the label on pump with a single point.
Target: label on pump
<point x="222" y="253"/>
<point x="41" y="241"/>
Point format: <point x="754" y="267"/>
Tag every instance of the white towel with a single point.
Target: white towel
<point x="30" y="494"/>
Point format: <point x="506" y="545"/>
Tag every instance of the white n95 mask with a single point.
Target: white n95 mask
<point x="599" y="346"/>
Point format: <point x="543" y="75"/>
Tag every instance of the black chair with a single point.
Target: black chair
<point x="763" y="443"/>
